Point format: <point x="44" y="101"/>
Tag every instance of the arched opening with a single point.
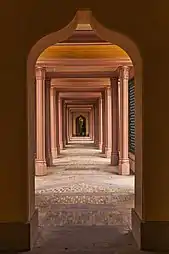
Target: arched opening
<point x="116" y="39"/>
<point x="81" y="126"/>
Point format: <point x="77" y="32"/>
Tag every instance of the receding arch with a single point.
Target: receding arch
<point x="86" y="17"/>
<point x="80" y="125"/>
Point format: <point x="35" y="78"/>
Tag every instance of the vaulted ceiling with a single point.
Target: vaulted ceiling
<point x="83" y="44"/>
<point x="82" y="63"/>
<point x="87" y="51"/>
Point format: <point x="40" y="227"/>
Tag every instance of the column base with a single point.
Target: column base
<point x="124" y="167"/>
<point x="61" y="146"/>
<point x="54" y="153"/>
<point x="49" y="161"/>
<point x="100" y="146"/>
<point x="114" y="159"/>
<point x="107" y="152"/>
<point x="58" y="150"/>
<point x="103" y="148"/>
<point x="40" y="168"/>
<point x="18" y="236"/>
<point x="150" y="235"/>
<point x="97" y="144"/>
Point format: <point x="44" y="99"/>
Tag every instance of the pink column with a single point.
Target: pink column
<point x="93" y="129"/>
<point x="100" y="124"/>
<point x="97" y="127"/>
<point x="40" y="162"/>
<point x="108" y="129"/>
<point x="67" y="125"/>
<point x="94" y="123"/>
<point x="60" y="116"/>
<point x="48" y="151"/>
<point x="124" y="168"/>
<point x="88" y="115"/>
<point x="64" y="124"/>
<point x="53" y="122"/>
<point x="115" y="122"/>
<point x="67" y="116"/>
<point x="104" y="123"/>
<point x="57" y="122"/>
<point x="119" y="115"/>
<point x="70" y="124"/>
<point x="90" y="125"/>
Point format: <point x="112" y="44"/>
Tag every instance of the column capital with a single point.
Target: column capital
<point x="40" y="72"/>
<point x="124" y="72"/>
<point x="52" y="90"/>
<point x="109" y="90"/>
<point x="100" y="99"/>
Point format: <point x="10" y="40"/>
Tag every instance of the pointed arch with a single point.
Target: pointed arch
<point x="114" y="37"/>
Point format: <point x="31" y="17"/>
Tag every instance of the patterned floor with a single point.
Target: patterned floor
<point x="84" y="205"/>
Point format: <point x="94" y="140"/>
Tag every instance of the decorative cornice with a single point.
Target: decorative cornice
<point x="57" y="64"/>
<point x="40" y="72"/>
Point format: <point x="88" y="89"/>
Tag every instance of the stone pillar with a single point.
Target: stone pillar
<point x="74" y="124"/>
<point x="87" y="124"/>
<point x="70" y="124"/>
<point x="115" y="122"/>
<point x="67" y="125"/>
<point x="53" y="122"/>
<point x="97" y="123"/>
<point x="40" y="162"/>
<point x="64" y="123"/>
<point x="124" y="167"/>
<point x="104" y="123"/>
<point x="100" y="124"/>
<point x="119" y="116"/>
<point x="90" y="124"/>
<point x="93" y="128"/>
<point x="96" y="141"/>
<point x="60" y="116"/>
<point x="48" y="151"/>
<point x="57" y="122"/>
<point x="108" y="121"/>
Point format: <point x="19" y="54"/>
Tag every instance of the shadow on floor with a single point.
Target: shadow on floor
<point x="95" y="239"/>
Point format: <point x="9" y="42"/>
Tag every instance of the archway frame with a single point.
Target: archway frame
<point x="77" y="119"/>
<point x="86" y="17"/>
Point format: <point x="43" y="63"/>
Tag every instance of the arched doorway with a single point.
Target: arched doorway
<point x="113" y="37"/>
<point x="81" y="126"/>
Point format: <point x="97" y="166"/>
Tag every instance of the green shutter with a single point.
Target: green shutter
<point x="131" y="116"/>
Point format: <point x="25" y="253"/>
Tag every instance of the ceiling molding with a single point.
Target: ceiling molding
<point x="81" y="83"/>
<point x="114" y="62"/>
<point x="80" y="90"/>
<point x="85" y="74"/>
<point x="80" y="102"/>
<point x="69" y="105"/>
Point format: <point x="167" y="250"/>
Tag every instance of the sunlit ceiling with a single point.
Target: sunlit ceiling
<point x="83" y="51"/>
<point x="84" y="43"/>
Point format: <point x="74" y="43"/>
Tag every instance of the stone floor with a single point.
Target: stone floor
<point x="84" y="205"/>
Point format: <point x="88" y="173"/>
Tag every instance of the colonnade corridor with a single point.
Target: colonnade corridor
<point x="83" y="204"/>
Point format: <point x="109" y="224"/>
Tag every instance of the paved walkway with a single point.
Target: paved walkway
<point x="84" y="205"/>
